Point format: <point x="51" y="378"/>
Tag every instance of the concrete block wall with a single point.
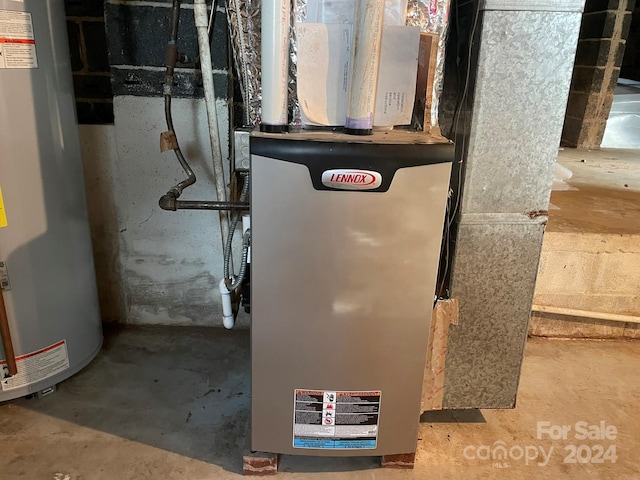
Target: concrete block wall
<point x="152" y="266"/>
<point x="603" y="32"/>
<point x="593" y="272"/>
<point x="597" y="272"/>
<point x="89" y="62"/>
<point x="137" y="34"/>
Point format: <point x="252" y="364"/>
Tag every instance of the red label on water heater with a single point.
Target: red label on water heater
<point x="17" y="41"/>
<point x="351" y="179"/>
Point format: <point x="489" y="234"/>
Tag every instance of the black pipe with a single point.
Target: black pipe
<point x="170" y="202"/>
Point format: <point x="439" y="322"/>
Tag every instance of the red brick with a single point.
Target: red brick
<point x="400" y="460"/>
<point x="259" y="463"/>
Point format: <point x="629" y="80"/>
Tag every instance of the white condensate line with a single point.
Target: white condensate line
<point x="364" y="65"/>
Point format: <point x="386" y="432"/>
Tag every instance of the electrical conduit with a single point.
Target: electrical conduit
<point x="230" y="282"/>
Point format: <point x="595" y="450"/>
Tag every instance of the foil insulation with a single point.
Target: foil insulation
<point x="432" y="16"/>
<point x="298" y="6"/>
<point x="243" y="17"/>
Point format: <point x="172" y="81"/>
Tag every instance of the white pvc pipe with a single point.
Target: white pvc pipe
<point x="246" y="225"/>
<point x="365" y="60"/>
<point x="612" y="317"/>
<point x="202" y="26"/>
<point x="227" y="312"/>
<point x="276" y="17"/>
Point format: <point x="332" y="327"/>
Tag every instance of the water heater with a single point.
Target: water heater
<point x="46" y="261"/>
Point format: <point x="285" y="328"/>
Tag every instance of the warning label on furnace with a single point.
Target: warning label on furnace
<point x="3" y="213"/>
<point x="17" y="42"/>
<point x="35" y="366"/>
<point x="336" y="420"/>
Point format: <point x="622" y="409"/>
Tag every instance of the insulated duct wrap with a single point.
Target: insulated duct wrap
<point x="432" y="16"/>
<point x="243" y="17"/>
<point x="244" y="23"/>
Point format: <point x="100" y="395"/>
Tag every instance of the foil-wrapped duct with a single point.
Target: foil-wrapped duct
<point x="432" y="16"/>
<point x="243" y="17"/>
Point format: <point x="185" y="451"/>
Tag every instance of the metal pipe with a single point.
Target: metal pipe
<point x="170" y="202"/>
<point x="191" y="177"/>
<point x="7" y="344"/>
<point x="572" y="312"/>
<point x="202" y="27"/>
<point x="170" y="62"/>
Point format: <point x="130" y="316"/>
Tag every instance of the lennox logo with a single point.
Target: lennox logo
<point x="347" y="179"/>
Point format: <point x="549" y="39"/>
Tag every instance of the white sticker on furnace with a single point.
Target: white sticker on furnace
<point x="17" y="41"/>
<point x="35" y="366"/>
<point x="336" y="420"/>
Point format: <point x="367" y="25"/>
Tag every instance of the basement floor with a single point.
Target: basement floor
<point x="172" y="403"/>
<point x="603" y="195"/>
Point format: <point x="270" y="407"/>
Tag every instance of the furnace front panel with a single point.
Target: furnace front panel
<point x="342" y="291"/>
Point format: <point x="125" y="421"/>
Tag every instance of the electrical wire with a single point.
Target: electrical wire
<point x="233" y="282"/>
<point x="450" y="213"/>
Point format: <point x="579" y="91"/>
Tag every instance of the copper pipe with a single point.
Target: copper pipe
<point x="6" y="337"/>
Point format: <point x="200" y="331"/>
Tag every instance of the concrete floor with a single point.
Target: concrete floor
<point x="604" y="195"/>
<point x="172" y="403"/>
<point x="590" y="258"/>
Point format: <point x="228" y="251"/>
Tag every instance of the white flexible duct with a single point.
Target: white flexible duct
<point x="365" y="60"/>
<point x="276" y="15"/>
<point x="202" y="26"/>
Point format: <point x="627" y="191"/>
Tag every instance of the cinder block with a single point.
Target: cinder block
<point x="572" y="131"/>
<point x="587" y="79"/>
<point x="632" y="330"/>
<point x="92" y="86"/>
<point x="620" y="53"/>
<point x="626" y="25"/>
<point x="561" y="326"/>
<point x="400" y="460"/>
<point x="613" y="82"/>
<point x="599" y="5"/>
<point x="94" y="113"/>
<point x="73" y="32"/>
<point x="565" y="271"/>
<point x="95" y="43"/>
<point x="598" y="25"/>
<point x="146" y="83"/>
<point x="616" y="273"/>
<point x="138" y="35"/>
<point x="577" y="104"/>
<point x="593" y="53"/>
<point x="84" y="8"/>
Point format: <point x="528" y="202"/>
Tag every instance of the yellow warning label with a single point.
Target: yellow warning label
<point x="3" y="214"/>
